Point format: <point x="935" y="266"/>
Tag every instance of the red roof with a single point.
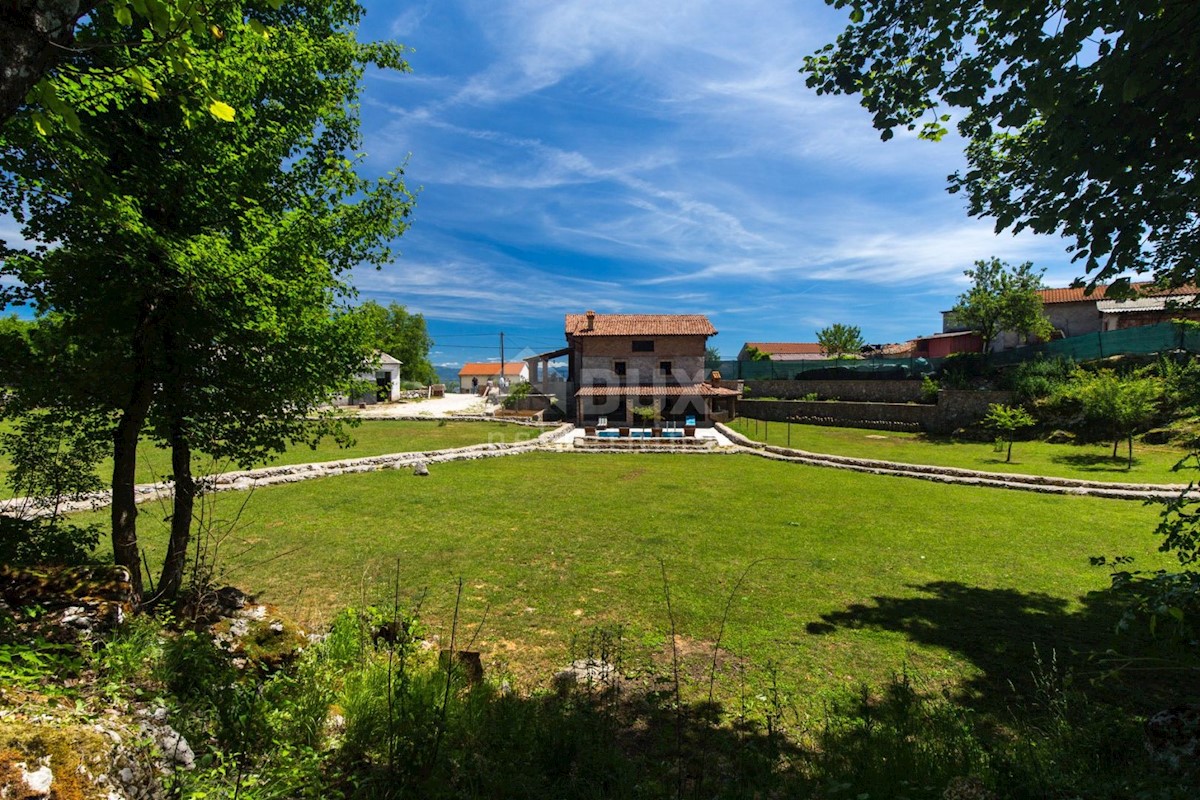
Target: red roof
<point x="787" y="348"/>
<point x="488" y="369"/>
<point x="1076" y="295"/>
<point x="640" y="325"/>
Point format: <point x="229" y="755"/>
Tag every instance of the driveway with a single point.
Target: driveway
<point x="450" y="405"/>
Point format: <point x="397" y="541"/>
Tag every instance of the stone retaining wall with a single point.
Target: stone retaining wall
<point x="955" y="409"/>
<point x="860" y="391"/>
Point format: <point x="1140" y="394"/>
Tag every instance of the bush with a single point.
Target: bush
<point x="1038" y="378"/>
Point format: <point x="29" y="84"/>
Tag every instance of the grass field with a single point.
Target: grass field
<point x="847" y="577"/>
<point x="1151" y="463"/>
<point x="372" y="438"/>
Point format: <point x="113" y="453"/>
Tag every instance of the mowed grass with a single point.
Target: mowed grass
<point x="1151" y="463"/>
<point x="371" y="438"/>
<point x="831" y="578"/>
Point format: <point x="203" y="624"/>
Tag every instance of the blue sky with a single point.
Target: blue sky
<point x="654" y="157"/>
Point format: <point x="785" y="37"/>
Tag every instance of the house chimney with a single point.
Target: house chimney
<point x="591" y="317"/>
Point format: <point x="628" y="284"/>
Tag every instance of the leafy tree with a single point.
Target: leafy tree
<point x="46" y="66"/>
<point x="1002" y="298"/>
<point x="201" y="296"/>
<point x="1007" y="420"/>
<point x="1115" y="405"/>
<point x="403" y="336"/>
<point x="840" y="341"/>
<point x="1071" y="128"/>
<point x="712" y="358"/>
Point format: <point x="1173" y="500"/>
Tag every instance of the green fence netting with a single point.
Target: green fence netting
<point x="828" y="369"/>
<point x="1142" y="340"/>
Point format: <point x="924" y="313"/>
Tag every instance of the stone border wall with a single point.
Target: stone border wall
<point x="860" y="391"/>
<point x="294" y="473"/>
<point x="954" y="409"/>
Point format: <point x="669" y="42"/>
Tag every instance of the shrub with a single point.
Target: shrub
<point x="1038" y="378"/>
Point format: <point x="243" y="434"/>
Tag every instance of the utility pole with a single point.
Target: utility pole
<point x="501" y="355"/>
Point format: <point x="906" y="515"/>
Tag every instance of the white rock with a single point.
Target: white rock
<point x="39" y="780"/>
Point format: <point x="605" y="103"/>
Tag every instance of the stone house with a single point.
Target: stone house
<point x="616" y="362"/>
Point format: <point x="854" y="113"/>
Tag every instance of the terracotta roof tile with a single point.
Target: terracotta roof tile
<point x="1076" y="295"/>
<point x="786" y="348"/>
<point x="490" y="369"/>
<point x="640" y="325"/>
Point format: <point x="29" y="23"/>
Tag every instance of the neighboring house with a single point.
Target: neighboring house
<point x="1072" y="312"/>
<point x="514" y="372"/>
<point x="784" y="351"/>
<point x="386" y="379"/>
<point x="618" y="361"/>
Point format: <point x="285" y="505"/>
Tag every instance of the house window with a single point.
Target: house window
<point x="664" y="369"/>
<point x="619" y="368"/>
<point x="643" y="345"/>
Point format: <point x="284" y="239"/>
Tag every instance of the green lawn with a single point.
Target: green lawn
<point x="851" y="576"/>
<point x="372" y="438"/>
<point x="1151" y="463"/>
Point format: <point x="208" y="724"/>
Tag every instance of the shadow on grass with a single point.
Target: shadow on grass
<point x="1002" y="632"/>
<point x="1096" y="462"/>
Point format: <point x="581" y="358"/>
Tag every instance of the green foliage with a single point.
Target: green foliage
<point x="1115" y="406"/>
<point x="840" y="341"/>
<point x="1180" y="383"/>
<point x="234" y="239"/>
<point x="929" y="389"/>
<point x="1008" y="420"/>
<point x="1038" y="378"/>
<point x="43" y="540"/>
<point x="403" y="336"/>
<point x="712" y="358"/>
<point x="754" y="354"/>
<point x="1023" y="81"/>
<point x="961" y="370"/>
<point x="53" y="457"/>
<point x="1002" y="298"/>
<point x="518" y="393"/>
<point x="646" y="414"/>
<point x="47" y="81"/>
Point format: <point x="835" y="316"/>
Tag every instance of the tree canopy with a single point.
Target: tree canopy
<point x="190" y="274"/>
<point x="403" y="336"/>
<point x="47" y="68"/>
<point x="1080" y="117"/>
<point x="1002" y="298"/>
<point x="840" y="341"/>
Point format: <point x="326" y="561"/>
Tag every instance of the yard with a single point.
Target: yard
<point x="371" y="438"/>
<point x="1151" y="463"/>
<point x="831" y="578"/>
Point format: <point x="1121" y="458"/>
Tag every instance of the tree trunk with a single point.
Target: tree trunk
<point x="1131" y="451"/>
<point x="34" y="35"/>
<point x="124" y="499"/>
<point x="1008" y="458"/>
<point x="171" y="579"/>
<point x="1116" y="443"/>
<point x="125" y="444"/>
